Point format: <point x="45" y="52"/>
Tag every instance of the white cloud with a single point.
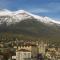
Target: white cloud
<point x="39" y="10"/>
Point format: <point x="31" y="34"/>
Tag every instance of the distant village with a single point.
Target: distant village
<point x="28" y="50"/>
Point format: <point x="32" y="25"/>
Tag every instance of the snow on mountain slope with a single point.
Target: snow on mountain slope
<point x="11" y="17"/>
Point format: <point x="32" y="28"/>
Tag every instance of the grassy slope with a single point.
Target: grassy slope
<point x="31" y="29"/>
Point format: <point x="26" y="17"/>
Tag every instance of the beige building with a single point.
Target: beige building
<point x="23" y="54"/>
<point x="34" y="47"/>
<point x="29" y="46"/>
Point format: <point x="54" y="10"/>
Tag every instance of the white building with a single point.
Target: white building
<point x="23" y="54"/>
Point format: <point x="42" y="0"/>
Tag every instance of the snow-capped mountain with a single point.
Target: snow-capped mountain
<point x="23" y="23"/>
<point x="10" y="17"/>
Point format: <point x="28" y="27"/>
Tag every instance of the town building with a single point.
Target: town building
<point x="29" y="46"/>
<point x="23" y="54"/>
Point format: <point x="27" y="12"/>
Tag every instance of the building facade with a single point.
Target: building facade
<point x="23" y="54"/>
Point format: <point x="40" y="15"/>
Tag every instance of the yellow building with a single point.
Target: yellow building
<point x="42" y="47"/>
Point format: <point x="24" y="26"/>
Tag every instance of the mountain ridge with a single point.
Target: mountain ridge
<point x="17" y="16"/>
<point x="27" y="24"/>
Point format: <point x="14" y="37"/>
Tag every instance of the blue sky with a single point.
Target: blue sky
<point x="50" y="8"/>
